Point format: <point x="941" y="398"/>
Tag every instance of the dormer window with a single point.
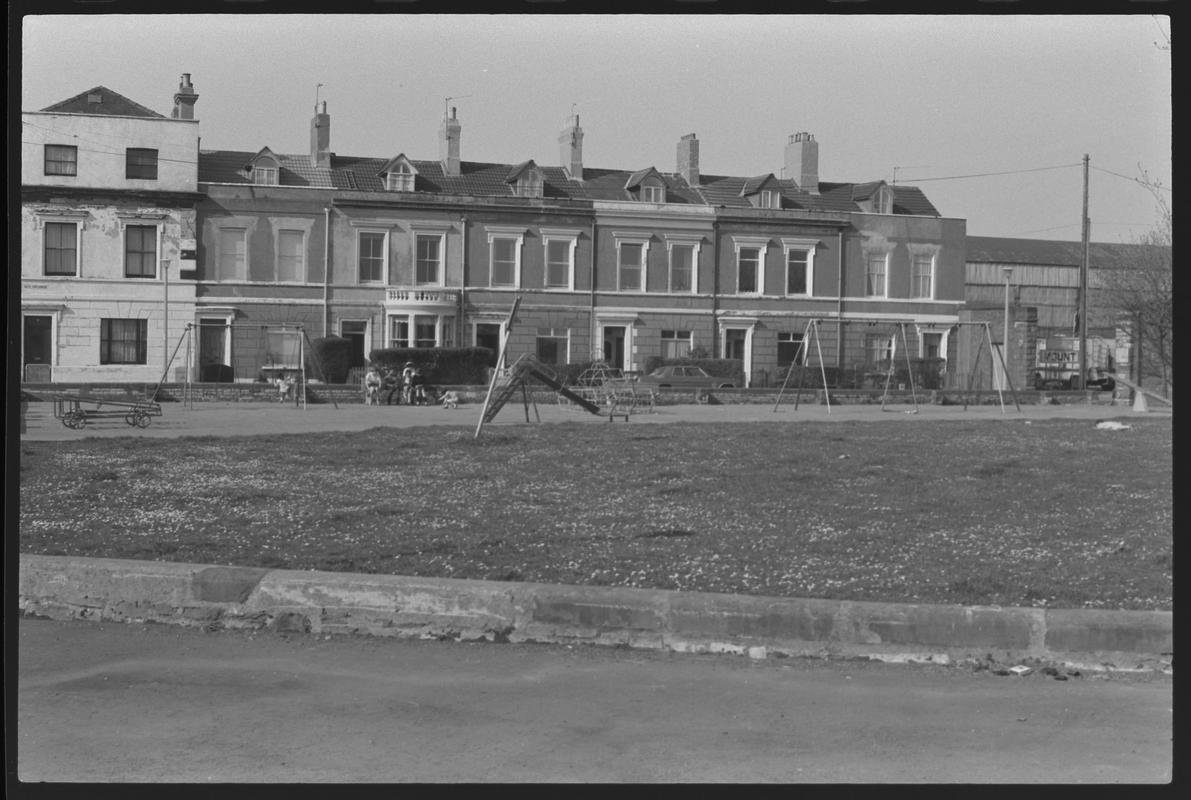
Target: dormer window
<point x="762" y="192"/>
<point x="264" y="169"/>
<point x="883" y="201"/>
<point x="401" y="179"/>
<point x="653" y="193"/>
<point x="529" y="185"/>
<point x="646" y="186"/>
<point x="526" y="180"/>
<point x="399" y="175"/>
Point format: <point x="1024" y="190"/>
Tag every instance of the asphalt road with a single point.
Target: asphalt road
<point x="133" y="703"/>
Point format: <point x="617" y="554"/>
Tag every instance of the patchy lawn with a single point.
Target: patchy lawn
<point x="1051" y="513"/>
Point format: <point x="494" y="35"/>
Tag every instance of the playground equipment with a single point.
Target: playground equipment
<point x="280" y="348"/>
<point x="813" y="335"/>
<point x="608" y="388"/>
<point x="506" y="382"/>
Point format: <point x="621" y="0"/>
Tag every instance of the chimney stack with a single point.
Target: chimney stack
<point x="320" y="137"/>
<point x="184" y="99"/>
<point x="802" y="161"/>
<point x="571" y="146"/>
<point x="688" y="159"/>
<point x="448" y="144"/>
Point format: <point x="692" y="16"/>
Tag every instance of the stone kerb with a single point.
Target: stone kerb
<point x="412" y="607"/>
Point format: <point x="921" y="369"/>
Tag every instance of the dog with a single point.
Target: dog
<point x="450" y="400"/>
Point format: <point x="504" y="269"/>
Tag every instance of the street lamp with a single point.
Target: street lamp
<point x="1005" y="341"/>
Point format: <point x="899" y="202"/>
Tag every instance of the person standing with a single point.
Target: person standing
<point x="407" y="383"/>
<point x="283" y="387"/>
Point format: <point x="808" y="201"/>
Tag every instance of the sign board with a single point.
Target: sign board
<point x="189" y="250"/>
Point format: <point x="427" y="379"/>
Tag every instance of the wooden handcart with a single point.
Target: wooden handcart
<point x="76" y="411"/>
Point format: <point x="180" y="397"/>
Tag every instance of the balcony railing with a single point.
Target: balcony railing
<point x="423" y="297"/>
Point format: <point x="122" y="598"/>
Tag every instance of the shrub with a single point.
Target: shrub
<point x="333" y="354"/>
<point x="452" y="366"/>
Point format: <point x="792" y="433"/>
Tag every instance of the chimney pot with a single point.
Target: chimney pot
<point x="570" y="143"/>
<point x="320" y="137"/>
<point x="185" y="98"/>
<point x="688" y="159"/>
<point x="802" y="161"/>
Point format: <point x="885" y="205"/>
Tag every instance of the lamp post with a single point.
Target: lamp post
<point x="1008" y="271"/>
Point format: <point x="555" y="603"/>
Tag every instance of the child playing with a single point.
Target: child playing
<point x="372" y="387"/>
<point x="283" y="387"/>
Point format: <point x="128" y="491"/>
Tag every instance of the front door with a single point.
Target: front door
<point x="39" y="346"/>
<point x="354" y="332"/>
<point x="488" y="335"/>
<point x="736" y="346"/>
<point x="614" y="336"/>
<point x="212" y="352"/>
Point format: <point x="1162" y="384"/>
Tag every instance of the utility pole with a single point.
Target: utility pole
<point x="1083" y="285"/>
<point x="1005" y="342"/>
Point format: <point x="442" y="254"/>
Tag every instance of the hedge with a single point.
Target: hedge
<point x="444" y="366"/>
<point x="333" y="353"/>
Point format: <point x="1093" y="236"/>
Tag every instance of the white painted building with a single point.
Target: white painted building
<point x="108" y="193"/>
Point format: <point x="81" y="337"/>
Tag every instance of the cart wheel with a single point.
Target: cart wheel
<point x="74" y="419"/>
<point x="143" y="420"/>
<point x="130" y="418"/>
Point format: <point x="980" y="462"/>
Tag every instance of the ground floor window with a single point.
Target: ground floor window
<point x="424" y="331"/>
<point x="877" y="348"/>
<point x="123" y="341"/>
<point x="932" y="345"/>
<point x="552" y="345"/>
<point x="421" y="330"/>
<point x="789" y="349"/>
<point x="676" y="344"/>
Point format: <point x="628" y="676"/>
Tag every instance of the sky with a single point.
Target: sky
<point x="937" y="102"/>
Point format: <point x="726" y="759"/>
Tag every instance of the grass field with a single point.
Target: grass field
<point x="1046" y="513"/>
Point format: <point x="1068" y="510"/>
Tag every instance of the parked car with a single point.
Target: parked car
<point x="684" y="376"/>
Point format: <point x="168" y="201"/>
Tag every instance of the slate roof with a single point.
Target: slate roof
<point x="998" y="250"/>
<point x="112" y="104"/>
<point x="480" y="179"/>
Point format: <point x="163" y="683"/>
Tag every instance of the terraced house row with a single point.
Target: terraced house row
<point x="135" y="241"/>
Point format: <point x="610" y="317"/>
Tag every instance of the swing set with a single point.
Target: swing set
<point x="813" y="334"/>
<point x="281" y="349"/>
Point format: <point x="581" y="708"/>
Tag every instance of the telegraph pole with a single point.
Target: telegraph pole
<point x="1083" y="285"/>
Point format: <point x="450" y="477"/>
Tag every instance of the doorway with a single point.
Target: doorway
<point x="488" y="335"/>
<point x="614" y="340"/>
<point x="38" y="351"/>
<point x="212" y="352"/>
<point x="355" y="332"/>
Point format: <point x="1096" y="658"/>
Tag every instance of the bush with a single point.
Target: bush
<point x="333" y="354"/>
<point x="444" y="366"/>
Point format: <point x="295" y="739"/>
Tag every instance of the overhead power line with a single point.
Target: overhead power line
<point x="1146" y="184"/>
<point x="988" y="174"/>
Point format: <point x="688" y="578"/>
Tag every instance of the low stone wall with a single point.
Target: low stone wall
<point x="350" y="393"/>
